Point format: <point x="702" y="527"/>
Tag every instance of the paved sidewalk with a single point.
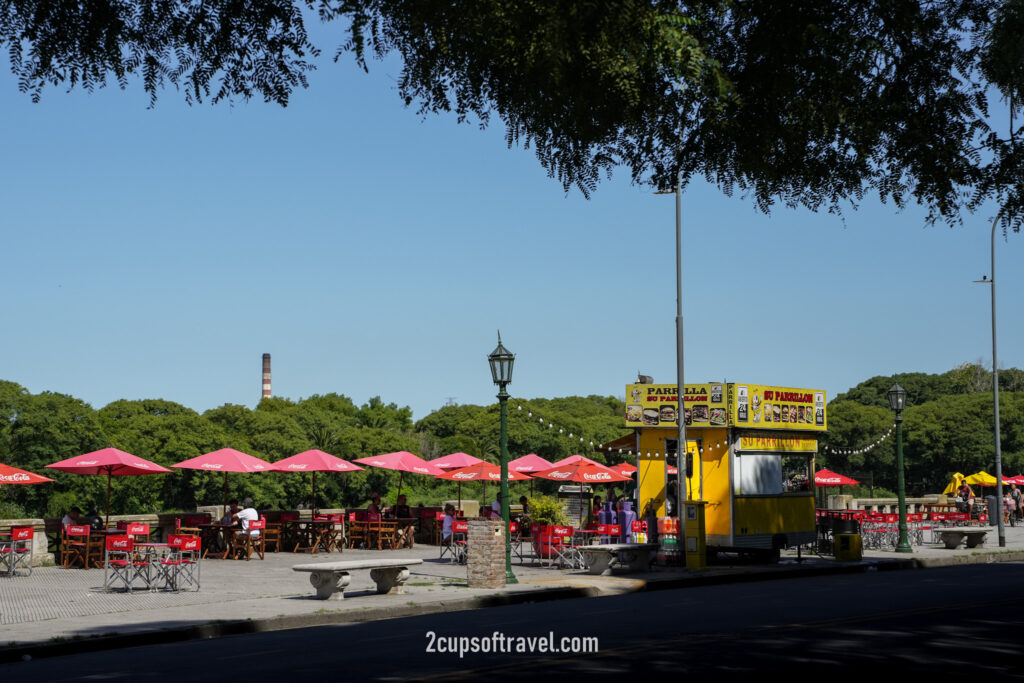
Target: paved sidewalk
<point x="57" y="609"/>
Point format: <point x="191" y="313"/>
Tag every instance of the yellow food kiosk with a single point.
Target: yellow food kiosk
<point x="751" y="449"/>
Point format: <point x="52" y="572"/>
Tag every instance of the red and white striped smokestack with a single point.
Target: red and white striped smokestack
<point x="266" y="375"/>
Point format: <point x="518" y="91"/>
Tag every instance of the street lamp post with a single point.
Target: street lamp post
<point x="897" y="400"/>
<point x="998" y="512"/>
<point x="502" y="360"/>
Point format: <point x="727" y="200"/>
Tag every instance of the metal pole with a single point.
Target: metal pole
<point x="903" y="545"/>
<point x="681" y="452"/>
<point x="995" y="399"/>
<point x="503" y="399"/>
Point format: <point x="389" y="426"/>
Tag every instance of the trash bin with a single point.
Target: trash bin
<point x="991" y="501"/>
<point x="848" y="548"/>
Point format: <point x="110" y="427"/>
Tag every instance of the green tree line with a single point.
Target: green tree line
<point x="39" y="429"/>
<point x="947" y="428"/>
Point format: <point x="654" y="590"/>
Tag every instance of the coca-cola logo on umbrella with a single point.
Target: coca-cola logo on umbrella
<point x="14" y="477"/>
<point x="599" y="476"/>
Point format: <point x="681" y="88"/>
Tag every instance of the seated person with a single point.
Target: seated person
<point x="403" y="512"/>
<point x="244" y="516"/>
<point x="229" y="515"/>
<point x="597" y="506"/>
<point x="373" y="511"/>
<point x="964" y="498"/>
<point x="72" y="517"/>
<point x="496" y="506"/>
<point x="447" y="526"/>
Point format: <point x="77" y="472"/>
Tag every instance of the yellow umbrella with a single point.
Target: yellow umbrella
<point x="982" y="479"/>
<point x="958" y="479"/>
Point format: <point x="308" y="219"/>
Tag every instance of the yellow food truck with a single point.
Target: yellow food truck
<point x="751" y="450"/>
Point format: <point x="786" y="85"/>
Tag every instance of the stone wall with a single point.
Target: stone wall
<point x="485" y="563"/>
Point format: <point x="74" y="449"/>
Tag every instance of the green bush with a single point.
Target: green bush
<point x="11" y="510"/>
<point x="547" y="510"/>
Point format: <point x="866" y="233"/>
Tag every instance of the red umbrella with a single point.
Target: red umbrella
<point x="482" y="471"/>
<point x="109" y="461"/>
<point x="582" y="472"/>
<point x="624" y="468"/>
<point x="314" y="461"/>
<point x="402" y="461"/>
<point x="529" y="463"/>
<point x="454" y="461"/>
<point x="829" y="478"/>
<point x="225" y="460"/>
<point x="12" y="475"/>
<point x="574" y="459"/>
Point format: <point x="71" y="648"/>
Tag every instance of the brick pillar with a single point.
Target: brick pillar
<point x="485" y="544"/>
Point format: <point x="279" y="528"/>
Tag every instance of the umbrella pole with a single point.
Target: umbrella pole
<point x="460" y="495"/>
<point x="401" y="474"/>
<point x="225" y="491"/>
<point x="108" y="499"/>
<point x="313" y="504"/>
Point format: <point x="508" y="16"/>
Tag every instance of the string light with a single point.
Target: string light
<point x="860" y="450"/>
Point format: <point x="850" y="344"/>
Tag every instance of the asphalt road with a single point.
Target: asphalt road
<point x="959" y="621"/>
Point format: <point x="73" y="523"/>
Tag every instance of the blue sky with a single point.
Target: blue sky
<point x="158" y="253"/>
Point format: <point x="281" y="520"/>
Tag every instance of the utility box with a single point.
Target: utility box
<point x="693" y="530"/>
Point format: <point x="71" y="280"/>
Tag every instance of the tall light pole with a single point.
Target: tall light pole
<point x="998" y="512"/>
<point x="897" y="400"/>
<point x="502" y="360"/>
<point x="681" y="452"/>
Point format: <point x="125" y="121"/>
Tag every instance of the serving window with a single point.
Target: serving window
<point x="772" y="474"/>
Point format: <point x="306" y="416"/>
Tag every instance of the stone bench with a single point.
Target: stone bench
<point x="331" y="578"/>
<point x="599" y="559"/>
<point x="954" y="536"/>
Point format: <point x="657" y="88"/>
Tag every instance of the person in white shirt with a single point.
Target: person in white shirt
<point x="245" y="515"/>
<point x="496" y="506"/>
<point x="72" y="517"/>
<point x="446" y="527"/>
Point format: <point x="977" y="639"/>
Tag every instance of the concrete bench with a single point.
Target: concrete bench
<point x="600" y="558"/>
<point x="954" y="536"/>
<point x="331" y="578"/>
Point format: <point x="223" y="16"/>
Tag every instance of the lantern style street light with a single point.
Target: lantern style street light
<point x="897" y="401"/>
<point x="502" y="360"/>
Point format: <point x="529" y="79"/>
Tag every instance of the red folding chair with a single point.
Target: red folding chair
<point x="181" y="566"/>
<point x="16" y="553"/>
<point x="122" y="564"/>
<point x="460" y="536"/>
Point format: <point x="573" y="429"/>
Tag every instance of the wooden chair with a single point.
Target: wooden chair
<point x="387" y="535"/>
<point x="190" y="524"/>
<point x="289" y="539"/>
<point x="356" y="533"/>
<point x="372" y="531"/>
<point x="77" y="546"/>
<point x="272" y="535"/>
<point x="336" y="533"/>
<point x="245" y="544"/>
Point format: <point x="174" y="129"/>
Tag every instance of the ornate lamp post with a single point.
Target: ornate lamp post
<point x="501" y="360"/>
<point x="897" y="400"/>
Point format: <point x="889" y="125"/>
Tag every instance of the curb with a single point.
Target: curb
<point x="219" y="629"/>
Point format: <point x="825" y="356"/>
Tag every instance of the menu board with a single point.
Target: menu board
<point x="734" y="404"/>
<point x="657" y="405"/>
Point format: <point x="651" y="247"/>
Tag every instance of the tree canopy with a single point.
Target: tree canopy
<point x="809" y="103"/>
